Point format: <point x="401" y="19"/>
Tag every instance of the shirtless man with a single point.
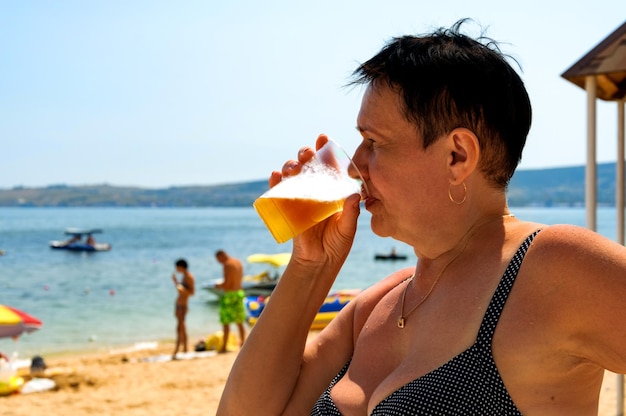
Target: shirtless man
<point x="185" y="288"/>
<point x="231" y="302"/>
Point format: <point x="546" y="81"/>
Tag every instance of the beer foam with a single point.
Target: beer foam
<point x="316" y="182"/>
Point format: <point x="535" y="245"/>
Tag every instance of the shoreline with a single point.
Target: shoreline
<point x="26" y="350"/>
<point x="87" y="351"/>
<point x="141" y="380"/>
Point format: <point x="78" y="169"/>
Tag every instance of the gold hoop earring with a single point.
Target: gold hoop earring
<point x="452" y="198"/>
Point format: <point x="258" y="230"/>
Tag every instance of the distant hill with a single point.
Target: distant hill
<point x="541" y="187"/>
<point x="229" y="195"/>
<point x="560" y="186"/>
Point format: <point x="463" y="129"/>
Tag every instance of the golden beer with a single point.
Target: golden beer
<point x="287" y="217"/>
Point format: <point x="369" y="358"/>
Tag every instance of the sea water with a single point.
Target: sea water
<point x="108" y="300"/>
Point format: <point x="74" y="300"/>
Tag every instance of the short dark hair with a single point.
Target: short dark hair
<point x="448" y="80"/>
<point x="181" y="263"/>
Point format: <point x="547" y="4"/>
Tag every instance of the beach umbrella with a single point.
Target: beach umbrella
<point x="14" y="322"/>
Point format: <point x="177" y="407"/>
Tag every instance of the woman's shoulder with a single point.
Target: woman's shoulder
<point x="566" y="240"/>
<point x="575" y="252"/>
<point x="383" y="286"/>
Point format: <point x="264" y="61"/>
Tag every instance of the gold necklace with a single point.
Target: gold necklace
<point x="402" y="319"/>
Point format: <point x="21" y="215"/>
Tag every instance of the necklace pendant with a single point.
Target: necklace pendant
<point x="401" y="322"/>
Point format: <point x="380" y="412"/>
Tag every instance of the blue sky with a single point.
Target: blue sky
<point x="159" y="93"/>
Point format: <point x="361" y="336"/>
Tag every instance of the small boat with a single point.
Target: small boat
<point x="333" y="303"/>
<point x="76" y="243"/>
<point x="391" y="256"/>
<point x="261" y="284"/>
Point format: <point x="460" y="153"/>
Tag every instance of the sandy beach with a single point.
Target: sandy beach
<point x="122" y="382"/>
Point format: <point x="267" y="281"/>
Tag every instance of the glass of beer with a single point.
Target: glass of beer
<point x="299" y="202"/>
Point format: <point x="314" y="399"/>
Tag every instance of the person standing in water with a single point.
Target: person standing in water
<point x="231" y="302"/>
<point x="185" y="288"/>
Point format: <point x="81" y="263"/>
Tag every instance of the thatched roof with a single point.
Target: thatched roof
<point x="607" y="61"/>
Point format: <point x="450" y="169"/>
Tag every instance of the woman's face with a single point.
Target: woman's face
<point x="407" y="184"/>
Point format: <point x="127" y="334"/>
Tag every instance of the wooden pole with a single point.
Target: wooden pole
<point x="619" y="196"/>
<point x="590" y="172"/>
<point x="619" y="202"/>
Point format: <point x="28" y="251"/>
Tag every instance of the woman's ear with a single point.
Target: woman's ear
<point x="463" y="154"/>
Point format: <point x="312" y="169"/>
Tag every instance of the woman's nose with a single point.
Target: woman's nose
<point x="358" y="169"/>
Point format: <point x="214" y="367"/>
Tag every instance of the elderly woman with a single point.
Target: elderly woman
<point x="498" y="317"/>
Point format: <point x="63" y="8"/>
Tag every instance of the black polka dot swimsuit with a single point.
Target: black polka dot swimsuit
<point x="469" y="384"/>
